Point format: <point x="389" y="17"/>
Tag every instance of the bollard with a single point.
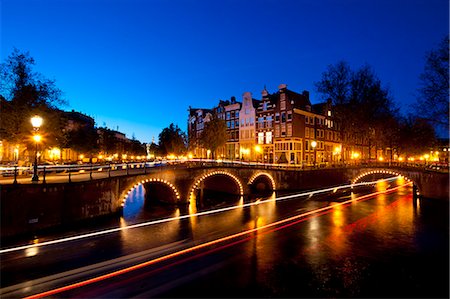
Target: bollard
<point x="43" y="181"/>
<point x="127" y="167"/>
<point x="90" y="173"/>
<point x="70" y="180"/>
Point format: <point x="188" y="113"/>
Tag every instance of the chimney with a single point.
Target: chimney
<point x="306" y="94"/>
<point x="282" y="86"/>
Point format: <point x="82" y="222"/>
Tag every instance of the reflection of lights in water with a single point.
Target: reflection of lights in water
<point x="216" y="211"/>
<point x="313" y="224"/>
<point x="381" y="185"/>
<point x="338" y="217"/>
<point x="31" y="251"/>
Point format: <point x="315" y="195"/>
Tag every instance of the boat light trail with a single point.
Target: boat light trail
<point x="209" y="212"/>
<point x="204" y="245"/>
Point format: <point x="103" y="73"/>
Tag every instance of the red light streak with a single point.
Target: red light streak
<point x="316" y="213"/>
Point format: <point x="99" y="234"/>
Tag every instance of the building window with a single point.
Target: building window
<point x="306" y="120"/>
<point x="228" y="115"/>
<point x="306" y="145"/>
<point x="237" y="114"/>
<point x="283" y="105"/>
<point x="268" y="137"/>
<point x="329" y="112"/>
<point x="289" y="129"/>
<point x="260" y="138"/>
<point x="264" y="106"/>
<point x="228" y="124"/>
<point x="307" y="132"/>
<point x="283" y="117"/>
<point x="289" y="115"/>
<point x="277" y="117"/>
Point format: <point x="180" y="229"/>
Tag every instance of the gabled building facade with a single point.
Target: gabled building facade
<point x="247" y="127"/>
<point x="283" y="128"/>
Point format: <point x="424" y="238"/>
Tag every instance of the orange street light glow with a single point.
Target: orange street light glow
<point x="37" y="138"/>
<point x="317" y="212"/>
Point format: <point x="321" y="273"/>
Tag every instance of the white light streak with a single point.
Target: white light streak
<point x="117" y="229"/>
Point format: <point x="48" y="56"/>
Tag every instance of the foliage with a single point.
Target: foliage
<point x="214" y="135"/>
<point x="83" y="140"/>
<point x="25" y="93"/>
<point x="136" y="148"/>
<point x="363" y="107"/>
<point x="433" y="97"/>
<point x="416" y="136"/>
<point x="172" y="140"/>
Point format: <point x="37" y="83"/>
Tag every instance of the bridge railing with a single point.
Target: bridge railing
<point x="67" y="173"/>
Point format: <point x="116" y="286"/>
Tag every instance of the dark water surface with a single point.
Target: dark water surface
<point x="386" y="246"/>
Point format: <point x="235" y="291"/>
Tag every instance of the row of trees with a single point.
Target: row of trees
<point x="172" y="140"/>
<point x="367" y="113"/>
<point x="24" y="93"/>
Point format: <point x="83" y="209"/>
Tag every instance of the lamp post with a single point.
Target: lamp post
<point x="313" y="145"/>
<point x="36" y="122"/>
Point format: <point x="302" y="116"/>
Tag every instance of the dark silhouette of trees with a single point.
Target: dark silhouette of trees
<point x="416" y="136"/>
<point x="214" y="135"/>
<point x="363" y="107"/>
<point x="433" y="97"/>
<point x="83" y="140"/>
<point x="25" y="93"/>
<point x="172" y="140"/>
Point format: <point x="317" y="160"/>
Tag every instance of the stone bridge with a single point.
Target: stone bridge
<point x="29" y="207"/>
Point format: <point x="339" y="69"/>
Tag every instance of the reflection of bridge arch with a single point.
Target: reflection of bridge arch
<point x="377" y="171"/>
<point x="258" y="174"/>
<point x="199" y="180"/>
<point x="152" y="180"/>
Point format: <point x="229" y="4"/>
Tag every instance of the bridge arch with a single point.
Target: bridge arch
<point x="259" y="174"/>
<point x="200" y="179"/>
<point x="377" y="171"/>
<point x="152" y="180"/>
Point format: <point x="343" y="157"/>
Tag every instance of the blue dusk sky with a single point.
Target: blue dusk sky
<point x="139" y="64"/>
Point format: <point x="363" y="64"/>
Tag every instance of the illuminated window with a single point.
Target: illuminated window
<point x="261" y="138"/>
<point x="268" y="137"/>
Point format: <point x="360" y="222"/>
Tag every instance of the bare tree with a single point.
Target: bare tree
<point x="433" y="95"/>
<point x="214" y="135"/>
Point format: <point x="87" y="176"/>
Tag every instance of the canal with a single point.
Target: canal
<point x="384" y="245"/>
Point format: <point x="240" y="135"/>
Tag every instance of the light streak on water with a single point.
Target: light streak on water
<point x="284" y="222"/>
<point x="209" y="212"/>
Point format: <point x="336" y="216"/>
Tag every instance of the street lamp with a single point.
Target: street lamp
<point x="313" y="145"/>
<point x="36" y="122"/>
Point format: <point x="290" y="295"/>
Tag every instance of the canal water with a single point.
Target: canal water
<point x="388" y="245"/>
